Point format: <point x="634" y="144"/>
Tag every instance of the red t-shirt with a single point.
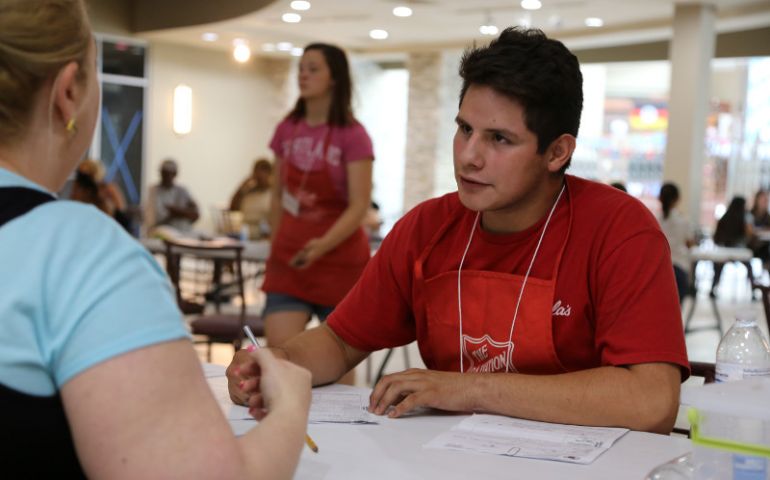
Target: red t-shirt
<point x="615" y="301"/>
<point x="303" y="146"/>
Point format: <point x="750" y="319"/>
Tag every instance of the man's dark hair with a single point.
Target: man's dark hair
<point x="534" y="71"/>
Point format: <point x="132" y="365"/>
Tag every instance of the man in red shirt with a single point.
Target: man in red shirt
<point x="530" y="293"/>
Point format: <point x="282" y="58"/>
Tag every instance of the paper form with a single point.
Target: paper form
<point x="212" y="370"/>
<point x="335" y="407"/>
<point x="514" y="437"/>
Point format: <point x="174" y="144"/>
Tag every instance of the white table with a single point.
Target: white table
<point x="716" y="254"/>
<point x="393" y="450"/>
<point x="253" y="251"/>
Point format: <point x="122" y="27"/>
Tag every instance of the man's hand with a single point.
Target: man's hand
<point x="414" y="388"/>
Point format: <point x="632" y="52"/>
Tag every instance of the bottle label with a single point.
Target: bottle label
<point x="730" y="372"/>
<point x="749" y="468"/>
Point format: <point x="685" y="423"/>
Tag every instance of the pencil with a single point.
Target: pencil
<point x="308" y="441"/>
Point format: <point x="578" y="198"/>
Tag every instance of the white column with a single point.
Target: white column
<point x="691" y="51"/>
<point x="423" y="127"/>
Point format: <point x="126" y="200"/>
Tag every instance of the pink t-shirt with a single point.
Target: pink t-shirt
<point x="303" y="146"/>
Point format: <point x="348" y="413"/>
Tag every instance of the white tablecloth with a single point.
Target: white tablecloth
<point x="393" y="449"/>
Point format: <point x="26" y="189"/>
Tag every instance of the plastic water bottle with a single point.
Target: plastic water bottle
<point x="743" y="352"/>
<point x="680" y="468"/>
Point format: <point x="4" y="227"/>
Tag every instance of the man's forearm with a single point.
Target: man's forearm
<point x="323" y="353"/>
<point x="642" y="397"/>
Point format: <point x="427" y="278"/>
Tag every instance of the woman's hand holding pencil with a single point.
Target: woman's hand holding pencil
<point x="268" y="382"/>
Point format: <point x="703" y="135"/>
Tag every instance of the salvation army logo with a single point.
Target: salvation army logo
<point x="487" y="355"/>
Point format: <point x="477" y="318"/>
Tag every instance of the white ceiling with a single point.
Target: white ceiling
<point x="455" y="23"/>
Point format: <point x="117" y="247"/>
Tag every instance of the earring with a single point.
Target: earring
<point x="71" y="127"/>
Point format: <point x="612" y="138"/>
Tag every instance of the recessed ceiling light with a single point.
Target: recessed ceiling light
<point x="268" y="47"/>
<point x="297" y="51"/>
<point x="210" y="37"/>
<point x="378" y="34"/>
<point x="402" y="11"/>
<point x="291" y="17"/>
<point x="489" y="29"/>
<point x="300" y="5"/>
<point x="284" y="46"/>
<point x="594" y="22"/>
<point x="241" y="53"/>
<point x="531" y="4"/>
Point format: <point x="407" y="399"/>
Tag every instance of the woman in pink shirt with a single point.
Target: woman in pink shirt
<point x="320" y="197"/>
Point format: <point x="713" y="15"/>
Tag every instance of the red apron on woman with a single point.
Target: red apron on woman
<point x="327" y="280"/>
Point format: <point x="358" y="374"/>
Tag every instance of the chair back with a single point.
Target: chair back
<point x="196" y="269"/>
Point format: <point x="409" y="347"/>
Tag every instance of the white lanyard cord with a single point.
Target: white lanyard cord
<point x="524" y="283"/>
<point x="459" y="289"/>
<point x="521" y="291"/>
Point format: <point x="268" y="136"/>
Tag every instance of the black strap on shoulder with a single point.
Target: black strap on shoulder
<point x="38" y="438"/>
<point x="16" y="201"/>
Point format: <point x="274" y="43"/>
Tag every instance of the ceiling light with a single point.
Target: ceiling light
<point x="489" y="29"/>
<point x="241" y="53"/>
<point x="594" y="22"/>
<point x="300" y="5"/>
<point x="297" y="51"/>
<point x="268" y="47"/>
<point x="402" y="11"/>
<point x="291" y="17"/>
<point x="531" y="4"/>
<point x="284" y="46"/>
<point x="378" y="34"/>
<point x="210" y="37"/>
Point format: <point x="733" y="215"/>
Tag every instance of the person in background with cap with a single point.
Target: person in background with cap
<point x="170" y="204"/>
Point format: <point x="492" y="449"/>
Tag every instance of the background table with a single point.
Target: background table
<point x="253" y="251"/>
<point x="393" y="449"/>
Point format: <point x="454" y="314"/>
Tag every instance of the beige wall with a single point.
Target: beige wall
<point x="235" y="109"/>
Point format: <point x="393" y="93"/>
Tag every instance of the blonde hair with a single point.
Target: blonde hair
<point x="37" y="38"/>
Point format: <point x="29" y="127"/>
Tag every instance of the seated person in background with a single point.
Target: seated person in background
<point x="170" y="204"/>
<point x="761" y="222"/>
<point x="89" y="187"/>
<point x="733" y="230"/>
<point x="678" y="233"/>
<point x="576" y="275"/>
<point x="252" y="199"/>
<point x="98" y="377"/>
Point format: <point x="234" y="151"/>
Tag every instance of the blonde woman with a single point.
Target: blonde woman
<point x="97" y="375"/>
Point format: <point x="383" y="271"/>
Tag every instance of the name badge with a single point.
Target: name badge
<point x="290" y="203"/>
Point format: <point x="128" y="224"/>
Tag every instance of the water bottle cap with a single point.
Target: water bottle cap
<point x="745" y="317"/>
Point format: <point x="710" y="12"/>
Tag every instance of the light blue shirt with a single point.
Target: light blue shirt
<point x="75" y="290"/>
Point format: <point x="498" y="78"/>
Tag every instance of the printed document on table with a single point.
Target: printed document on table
<point x="339" y="407"/>
<point x="514" y="437"/>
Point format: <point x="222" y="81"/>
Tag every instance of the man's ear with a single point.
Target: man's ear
<point x="560" y="151"/>
<point x="66" y="92"/>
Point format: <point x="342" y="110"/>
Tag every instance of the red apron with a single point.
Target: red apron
<point x="488" y="303"/>
<point x="327" y="280"/>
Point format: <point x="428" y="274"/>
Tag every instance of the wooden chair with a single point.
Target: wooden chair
<point x="197" y="270"/>
<point x="699" y="369"/>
